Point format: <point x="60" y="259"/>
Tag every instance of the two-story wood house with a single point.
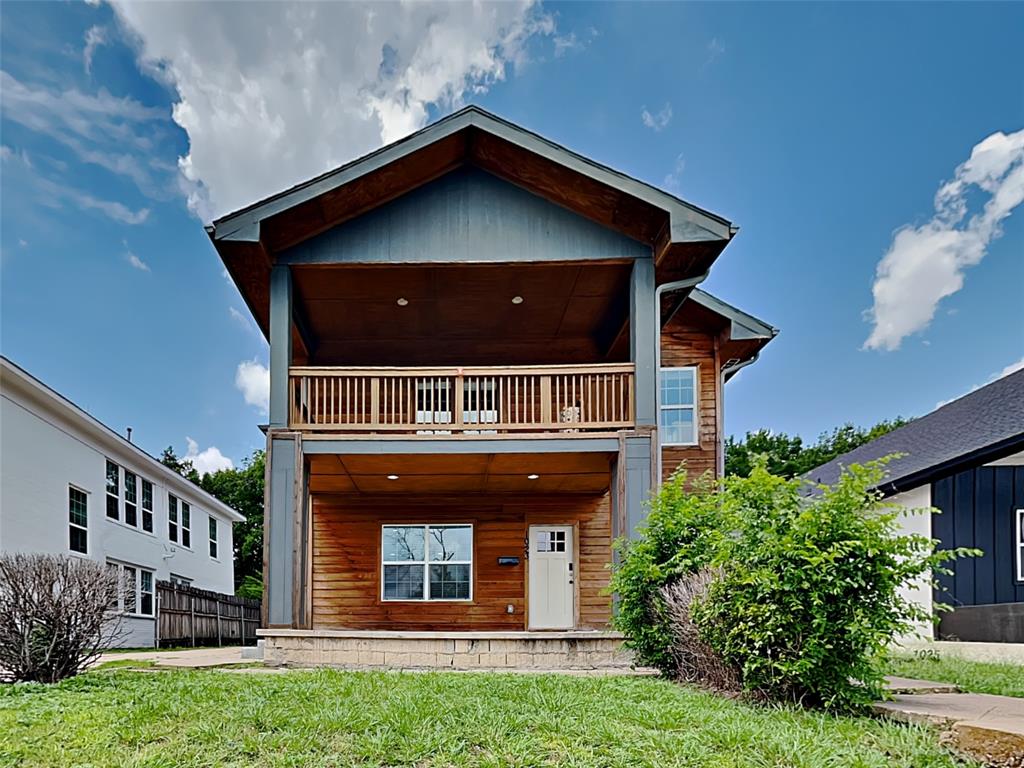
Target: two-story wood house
<point x="485" y="350"/>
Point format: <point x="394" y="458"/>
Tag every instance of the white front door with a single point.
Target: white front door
<point x="552" y="592"/>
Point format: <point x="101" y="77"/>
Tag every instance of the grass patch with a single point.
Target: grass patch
<point x="974" y="676"/>
<point x="428" y="720"/>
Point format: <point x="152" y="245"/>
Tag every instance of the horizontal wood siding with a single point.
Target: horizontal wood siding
<point x="346" y="560"/>
<point x="683" y="346"/>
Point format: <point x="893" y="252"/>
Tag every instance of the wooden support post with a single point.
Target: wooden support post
<point x="545" y="401"/>
<point x="192" y="620"/>
<point x="220" y="637"/>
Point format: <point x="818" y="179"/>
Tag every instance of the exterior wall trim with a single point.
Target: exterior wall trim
<point x="373" y="445"/>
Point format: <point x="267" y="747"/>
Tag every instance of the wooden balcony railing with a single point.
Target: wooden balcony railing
<point x="440" y="401"/>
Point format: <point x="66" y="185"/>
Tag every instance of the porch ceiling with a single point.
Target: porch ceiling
<point x="463" y="473"/>
<point x="464" y="314"/>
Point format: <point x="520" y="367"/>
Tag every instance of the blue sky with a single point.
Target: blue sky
<point x="821" y="130"/>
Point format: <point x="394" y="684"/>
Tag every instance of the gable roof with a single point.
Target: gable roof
<point x="684" y="240"/>
<point x="981" y="426"/>
<point x="15" y="378"/>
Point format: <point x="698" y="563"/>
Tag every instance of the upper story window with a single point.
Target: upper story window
<point x="78" y="520"/>
<point x="147" y="506"/>
<point x="427" y="562"/>
<point x="113" y="491"/>
<point x="131" y="498"/>
<point x="123" y="487"/>
<point x="213" y="536"/>
<point x="179" y="521"/>
<point x="678" y="419"/>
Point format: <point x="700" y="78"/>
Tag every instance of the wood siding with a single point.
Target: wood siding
<point x="683" y="345"/>
<point x="347" y="569"/>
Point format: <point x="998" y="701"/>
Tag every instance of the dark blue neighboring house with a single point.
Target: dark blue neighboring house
<point x="965" y="459"/>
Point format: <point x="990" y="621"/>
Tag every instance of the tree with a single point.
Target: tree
<point x="183" y="467"/>
<point x="241" y="488"/>
<point x="788" y="456"/>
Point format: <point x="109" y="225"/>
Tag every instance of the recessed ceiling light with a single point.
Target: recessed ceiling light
<point x="392" y="477"/>
<point x="517" y="299"/>
<point x="402" y="302"/>
<point x="532" y="477"/>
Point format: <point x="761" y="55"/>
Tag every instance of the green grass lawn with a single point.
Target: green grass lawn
<point x="334" y="718"/>
<point x="973" y="676"/>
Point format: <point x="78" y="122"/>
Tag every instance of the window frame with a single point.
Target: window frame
<point x="1019" y="542"/>
<point x="693" y="408"/>
<point x="72" y="525"/>
<point x="211" y="530"/>
<point x="146" y="518"/>
<point x="138" y="593"/>
<point x="113" y="495"/>
<point x="426" y="562"/>
<point x="133" y="502"/>
<point x="177" y="508"/>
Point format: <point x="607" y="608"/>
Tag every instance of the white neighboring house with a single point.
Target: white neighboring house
<point x="70" y="485"/>
<point x="964" y="461"/>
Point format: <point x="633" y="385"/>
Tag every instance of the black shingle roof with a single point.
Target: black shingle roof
<point x="982" y="425"/>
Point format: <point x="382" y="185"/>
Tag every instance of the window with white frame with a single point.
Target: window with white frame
<point x="678" y="418"/>
<point x="213" y="536"/>
<point x="135" y="596"/>
<point x="427" y="562"/>
<point x="147" y="506"/>
<point x="78" y="520"/>
<point x="179" y="521"/>
<point x="180" y="581"/>
<point x="131" y="499"/>
<point x="113" y="491"/>
<point x="1020" y="545"/>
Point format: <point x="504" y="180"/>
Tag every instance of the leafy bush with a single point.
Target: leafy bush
<point x="808" y="597"/>
<point x="54" y="615"/>
<point x="678" y="538"/>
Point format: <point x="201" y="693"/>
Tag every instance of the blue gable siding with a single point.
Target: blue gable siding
<point x="466" y="216"/>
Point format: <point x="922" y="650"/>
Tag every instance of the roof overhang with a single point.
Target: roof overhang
<point x="684" y="239"/>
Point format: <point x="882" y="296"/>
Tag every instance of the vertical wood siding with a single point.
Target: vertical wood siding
<point x="682" y="346"/>
<point x="346" y="560"/>
<point x="977" y="509"/>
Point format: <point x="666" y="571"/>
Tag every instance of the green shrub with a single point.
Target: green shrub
<point x="678" y="538"/>
<point x="808" y="600"/>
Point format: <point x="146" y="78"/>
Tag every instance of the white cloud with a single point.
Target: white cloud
<point x="120" y="135"/>
<point x="572" y="43"/>
<point x="657" y="121"/>
<point x="715" y="48"/>
<point x="23" y="243"/>
<point x="242" y="319"/>
<point x="1011" y="368"/>
<point x="253" y="380"/>
<point x="95" y="37"/>
<point x="673" y="179"/>
<point x="135" y="261"/>
<point x="284" y="91"/>
<point x="926" y="263"/>
<point x="54" y="193"/>
<point x="208" y="460"/>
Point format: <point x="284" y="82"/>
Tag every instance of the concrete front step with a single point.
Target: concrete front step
<point x="988" y="728"/>
<point x="446" y="650"/>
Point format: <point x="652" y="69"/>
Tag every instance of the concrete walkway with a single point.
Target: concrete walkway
<point x="988" y="728"/>
<point x="192" y="658"/>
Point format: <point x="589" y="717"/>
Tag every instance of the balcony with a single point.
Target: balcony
<point x="576" y="399"/>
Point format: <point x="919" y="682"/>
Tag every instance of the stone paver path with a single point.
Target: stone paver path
<point x="192" y="657"/>
<point x="988" y="728"/>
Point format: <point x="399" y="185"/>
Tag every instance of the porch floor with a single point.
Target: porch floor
<point x="389" y="649"/>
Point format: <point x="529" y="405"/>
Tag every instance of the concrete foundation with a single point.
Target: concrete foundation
<point x="445" y="650"/>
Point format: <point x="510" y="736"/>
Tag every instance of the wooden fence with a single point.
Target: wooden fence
<point x="190" y="616"/>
